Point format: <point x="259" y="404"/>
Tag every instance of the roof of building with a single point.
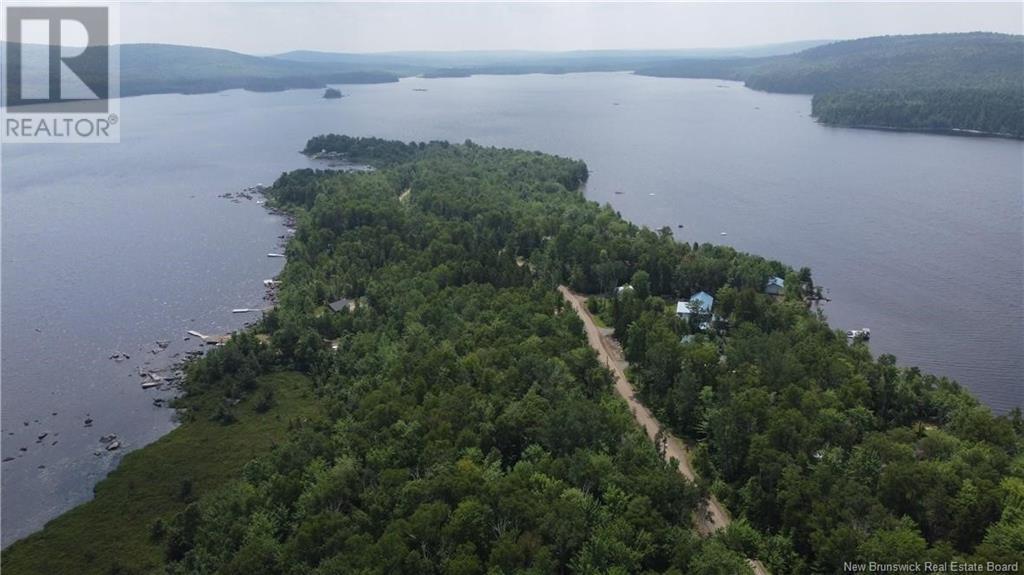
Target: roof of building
<point x="339" y="305"/>
<point x="776" y="281"/>
<point x="703" y="299"/>
<point x="706" y="300"/>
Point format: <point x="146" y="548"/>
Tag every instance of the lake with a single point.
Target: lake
<point x="111" y="248"/>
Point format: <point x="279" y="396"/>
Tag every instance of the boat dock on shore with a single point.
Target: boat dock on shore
<point x="210" y="339"/>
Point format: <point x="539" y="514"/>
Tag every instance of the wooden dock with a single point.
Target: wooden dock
<point x="210" y="339"/>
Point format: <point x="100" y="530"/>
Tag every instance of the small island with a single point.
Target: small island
<point x="332" y="94"/>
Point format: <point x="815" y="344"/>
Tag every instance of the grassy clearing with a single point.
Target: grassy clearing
<point x="111" y="534"/>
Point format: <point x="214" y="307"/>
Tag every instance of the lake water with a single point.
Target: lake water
<point x="109" y="248"/>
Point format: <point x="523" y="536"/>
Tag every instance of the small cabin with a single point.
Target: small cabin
<point x="342" y="304"/>
<point x="775" y="286"/>
<point x="622" y="289"/>
<point x="701" y="302"/>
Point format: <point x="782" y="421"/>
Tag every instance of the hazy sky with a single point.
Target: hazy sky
<point x="264" y="28"/>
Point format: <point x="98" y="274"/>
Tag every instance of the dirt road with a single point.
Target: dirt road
<point x="608" y="352"/>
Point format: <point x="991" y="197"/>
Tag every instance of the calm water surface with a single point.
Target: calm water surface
<point x="111" y="248"/>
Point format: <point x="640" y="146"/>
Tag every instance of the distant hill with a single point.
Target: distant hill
<point x="941" y="82"/>
<point x="973" y="60"/>
<point x="156" y="68"/>
<point x="165" y="68"/>
<point x="442" y="58"/>
<point x="612" y="60"/>
<point x="899" y="62"/>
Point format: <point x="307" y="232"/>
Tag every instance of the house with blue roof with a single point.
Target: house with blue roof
<point x="776" y="286"/>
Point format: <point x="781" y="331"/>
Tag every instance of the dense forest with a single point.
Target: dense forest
<point x="467" y="427"/>
<point x="471" y="428"/>
<point x="943" y="82"/>
<point x="992" y="111"/>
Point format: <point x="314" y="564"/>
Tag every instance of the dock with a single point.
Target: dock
<point x="152" y="380"/>
<point x="210" y="339"/>
<point x="856" y="334"/>
<point x="217" y="339"/>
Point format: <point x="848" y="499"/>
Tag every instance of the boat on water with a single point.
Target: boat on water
<point x="863" y="333"/>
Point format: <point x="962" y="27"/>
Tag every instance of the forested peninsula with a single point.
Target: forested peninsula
<point x="451" y="418"/>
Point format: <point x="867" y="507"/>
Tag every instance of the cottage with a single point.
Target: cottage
<point x="622" y="289"/>
<point x="342" y="304"/>
<point x="776" y="286"/>
<point x="701" y="302"/>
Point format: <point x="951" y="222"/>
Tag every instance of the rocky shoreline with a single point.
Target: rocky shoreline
<point x="157" y="367"/>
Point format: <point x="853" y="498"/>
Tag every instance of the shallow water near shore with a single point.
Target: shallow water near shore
<point x="109" y="248"/>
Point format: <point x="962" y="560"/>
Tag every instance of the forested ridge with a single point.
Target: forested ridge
<point x="169" y="69"/>
<point x="467" y="427"/>
<point x="940" y="82"/>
